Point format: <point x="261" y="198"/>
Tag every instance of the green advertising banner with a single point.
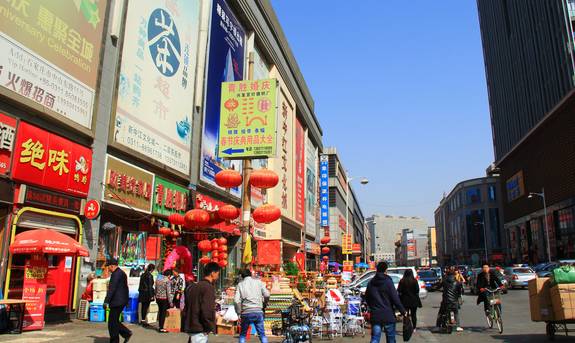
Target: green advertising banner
<point x="169" y="198"/>
<point x="248" y="119"/>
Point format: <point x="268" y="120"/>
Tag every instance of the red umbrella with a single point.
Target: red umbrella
<point x="45" y="241"/>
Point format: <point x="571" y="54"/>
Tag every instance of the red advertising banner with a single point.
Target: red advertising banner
<point x="7" y="134"/>
<point x="356" y="248"/>
<point x="299" y="173"/>
<point x="44" y="159"/>
<point x="34" y="292"/>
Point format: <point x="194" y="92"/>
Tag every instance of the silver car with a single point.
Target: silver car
<point x="518" y="277"/>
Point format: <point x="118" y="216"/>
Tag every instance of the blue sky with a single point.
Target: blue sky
<point x="399" y="89"/>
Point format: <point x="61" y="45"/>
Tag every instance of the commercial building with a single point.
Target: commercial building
<point x="412" y="248"/>
<point x="383" y="230"/>
<point x="432" y="245"/>
<point x="529" y="62"/>
<point x="468" y="224"/>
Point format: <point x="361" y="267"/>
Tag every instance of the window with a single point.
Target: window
<point x="473" y="196"/>
<point x="492" y="194"/>
<point x="494" y="228"/>
<point x="474" y="222"/>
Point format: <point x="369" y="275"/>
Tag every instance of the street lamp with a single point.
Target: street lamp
<point x="542" y="195"/>
<point x="484" y="239"/>
<point x="363" y="181"/>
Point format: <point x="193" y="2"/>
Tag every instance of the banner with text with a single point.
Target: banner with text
<point x="324" y="190"/>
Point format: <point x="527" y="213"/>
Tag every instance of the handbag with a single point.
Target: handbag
<point x="407" y="328"/>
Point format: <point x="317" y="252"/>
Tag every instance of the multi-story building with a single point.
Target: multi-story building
<point x="467" y="219"/>
<point x="383" y="230"/>
<point x="413" y="248"/>
<point x="529" y="61"/>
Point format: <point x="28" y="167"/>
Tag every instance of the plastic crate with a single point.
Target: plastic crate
<point x="130" y="316"/>
<point x="97" y="313"/>
<point x="84" y="310"/>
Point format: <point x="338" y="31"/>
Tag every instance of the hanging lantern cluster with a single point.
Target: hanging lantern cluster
<point x="218" y="250"/>
<point x="228" y="178"/>
<point x="165" y="231"/>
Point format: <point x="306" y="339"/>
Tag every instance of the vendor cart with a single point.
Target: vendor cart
<point x="559" y="326"/>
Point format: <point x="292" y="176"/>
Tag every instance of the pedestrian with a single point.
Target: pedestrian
<point x="452" y="291"/>
<point x="117" y="298"/>
<point x="177" y="287"/>
<point x="487" y="279"/>
<point x="383" y="300"/>
<point x="250" y="298"/>
<point x="89" y="291"/>
<point x="200" y="307"/>
<point x="146" y="292"/>
<point x="408" y="290"/>
<point x="163" y="298"/>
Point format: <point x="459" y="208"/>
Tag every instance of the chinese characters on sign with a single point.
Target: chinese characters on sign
<point x="45" y="159"/>
<point x="248" y="119"/>
<point x="127" y="185"/>
<point x="92" y="209"/>
<point x="356" y="248"/>
<point x="324" y="190"/>
<point x="42" y="197"/>
<point x="284" y="156"/>
<point x="34" y="292"/>
<point x="299" y="173"/>
<point x="346" y="244"/>
<point x="515" y="186"/>
<point x="169" y="198"/>
<point x="157" y="70"/>
<point x="51" y="53"/>
<point x="7" y="135"/>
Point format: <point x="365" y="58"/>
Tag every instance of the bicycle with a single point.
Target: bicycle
<point x="493" y="314"/>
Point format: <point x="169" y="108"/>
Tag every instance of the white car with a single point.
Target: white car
<point x="362" y="282"/>
<point x="519" y="276"/>
<point x="399" y="271"/>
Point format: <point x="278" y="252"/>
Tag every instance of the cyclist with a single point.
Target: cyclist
<point x="487" y="279"/>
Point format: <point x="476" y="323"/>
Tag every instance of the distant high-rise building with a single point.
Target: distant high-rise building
<point x="383" y="230"/>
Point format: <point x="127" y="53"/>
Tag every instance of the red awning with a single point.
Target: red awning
<point x="45" y="241"/>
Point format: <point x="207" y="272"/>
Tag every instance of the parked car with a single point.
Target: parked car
<point x="438" y="271"/>
<point x="399" y="271"/>
<point x="519" y="276"/>
<point x="546" y="270"/>
<point x="472" y="281"/>
<point x="362" y="286"/>
<point x="430" y="278"/>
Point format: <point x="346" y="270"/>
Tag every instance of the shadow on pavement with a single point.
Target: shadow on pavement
<point x="519" y="338"/>
<point x="100" y="339"/>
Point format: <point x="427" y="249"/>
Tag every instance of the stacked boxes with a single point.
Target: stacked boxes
<point x="563" y="300"/>
<point x="99" y="287"/>
<point x="540" y="299"/>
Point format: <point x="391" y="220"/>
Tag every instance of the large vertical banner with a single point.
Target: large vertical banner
<point x="156" y="87"/>
<point x="225" y="63"/>
<point x="311" y="184"/>
<point x="51" y="53"/>
<point x="324" y="190"/>
<point x="34" y="292"/>
<point x="299" y="172"/>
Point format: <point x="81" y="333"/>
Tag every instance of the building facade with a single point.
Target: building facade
<point x="468" y="224"/>
<point x="383" y="230"/>
<point x="412" y="248"/>
<point x="530" y="80"/>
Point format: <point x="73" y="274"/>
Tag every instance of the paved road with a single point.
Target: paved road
<point x="518" y="327"/>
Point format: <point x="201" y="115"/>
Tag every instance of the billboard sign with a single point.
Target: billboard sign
<point x="311" y="185"/>
<point x="127" y="185"/>
<point x="7" y="136"/>
<point x="226" y="52"/>
<point x="51" y="53"/>
<point x="248" y="119"/>
<point x="515" y="186"/>
<point x="157" y="75"/>
<point x="299" y="172"/>
<point x="169" y="198"/>
<point x="324" y="190"/>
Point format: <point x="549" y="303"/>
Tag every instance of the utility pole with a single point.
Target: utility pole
<point x="246" y="189"/>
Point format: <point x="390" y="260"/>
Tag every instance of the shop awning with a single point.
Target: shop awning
<point x="46" y="241"/>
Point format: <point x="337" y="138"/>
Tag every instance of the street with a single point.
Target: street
<point x="518" y="327"/>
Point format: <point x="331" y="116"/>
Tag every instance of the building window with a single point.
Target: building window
<point x="494" y="228"/>
<point x="473" y="195"/>
<point x="474" y="221"/>
<point x="492" y="195"/>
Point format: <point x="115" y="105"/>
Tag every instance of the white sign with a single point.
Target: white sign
<point x="311" y="185"/>
<point x="156" y="87"/>
<point x="34" y="78"/>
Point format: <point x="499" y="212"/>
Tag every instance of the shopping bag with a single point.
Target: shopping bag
<point x="407" y="328"/>
<point x="564" y="274"/>
<point x="231" y="315"/>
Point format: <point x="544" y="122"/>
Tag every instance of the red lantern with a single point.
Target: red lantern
<point x="223" y="256"/>
<point x="205" y="260"/>
<point x="324" y="240"/>
<point x="223" y="241"/>
<point x="215" y="245"/>
<point x="264" y="178"/>
<point x="223" y="248"/>
<point x="205" y="246"/>
<point x="215" y="260"/>
<point x="196" y="218"/>
<point x="325" y="250"/>
<point x="325" y="258"/>
<point x="165" y="231"/>
<point x="236" y="232"/>
<point x="223" y="263"/>
<point x="176" y="219"/>
<point x="228" y="212"/>
<point x="215" y="254"/>
<point x="267" y="214"/>
<point x="175" y="234"/>
<point x="228" y="178"/>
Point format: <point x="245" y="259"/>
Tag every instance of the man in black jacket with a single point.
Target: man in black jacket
<point x="116" y="299"/>
<point x="487" y="279"/>
<point x="383" y="300"/>
<point x="200" y="307"/>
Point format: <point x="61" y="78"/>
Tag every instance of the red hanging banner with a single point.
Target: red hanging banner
<point x="34" y="292"/>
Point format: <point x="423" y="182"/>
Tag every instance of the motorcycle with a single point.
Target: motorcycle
<point x="446" y="319"/>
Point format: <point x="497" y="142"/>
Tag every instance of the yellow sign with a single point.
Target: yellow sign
<point x="346" y="244"/>
<point x="248" y="119"/>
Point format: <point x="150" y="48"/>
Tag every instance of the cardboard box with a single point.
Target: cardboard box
<point x="541" y="308"/>
<point x="563" y="301"/>
<point x="100" y="285"/>
<point x="173" y="320"/>
<point x="99" y="296"/>
<point x="226" y="330"/>
<point x="539" y="285"/>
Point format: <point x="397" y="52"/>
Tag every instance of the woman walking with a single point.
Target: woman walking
<point x="146" y="292"/>
<point x="408" y="290"/>
<point x="163" y="298"/>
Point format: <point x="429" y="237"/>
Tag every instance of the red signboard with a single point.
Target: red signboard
<point x="299" y="173"/>
<point x="37" y="196"/>
<point x="7" y="135"/>
<point x="34" y="292"/>
<point x="48" y="160"/>
<point x="356" y="248"/>
<point x="342" y="223"/>
<point x="92" y="209"/>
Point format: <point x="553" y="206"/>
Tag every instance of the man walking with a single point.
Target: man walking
<point x="383" y="300"/>
<point x="251" y="295"/>
<point x="116" y="299"/>
<point x="200" y="306"/>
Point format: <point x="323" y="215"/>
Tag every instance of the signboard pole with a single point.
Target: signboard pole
<point x="246" y="189"/>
